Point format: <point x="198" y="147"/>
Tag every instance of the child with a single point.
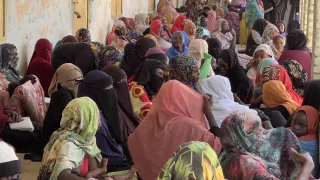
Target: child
<point x="278" y="42"/>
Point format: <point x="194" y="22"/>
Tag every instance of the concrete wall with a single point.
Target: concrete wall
<point x="30" y="20"/>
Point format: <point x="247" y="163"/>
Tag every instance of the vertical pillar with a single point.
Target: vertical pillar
<point x="316" y="41"/>
<point x="301" y="13"/>
<point x="305" y="16"/>
<point x="310" y="21"/>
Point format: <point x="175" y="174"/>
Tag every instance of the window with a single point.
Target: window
<point x="116" y="7"/>
<point x="2" y="20"/>
<point x="175" y="3"/>
<point x="151" y="4"/>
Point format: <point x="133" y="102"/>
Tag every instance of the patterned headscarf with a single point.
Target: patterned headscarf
<point x="297" y="74"/>
<point x="83" y="35"/>
<point x="181" y="69"/>
<point x="74" y="139"/>
<point x="5" y="51"/>
<point x="193" y="160"/>
<point x="267" y="152"/>
<point x="109" y="54"/>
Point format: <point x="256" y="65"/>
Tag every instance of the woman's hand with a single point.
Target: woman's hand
<point x="103" y="165"/>
<point x="208" y="101"/>
<point x="305" y="159"/>
<point x="13" y="116"/>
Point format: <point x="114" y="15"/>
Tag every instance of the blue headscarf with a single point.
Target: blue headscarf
<point x="172" y="52"/>
<point x="253" y="13"/>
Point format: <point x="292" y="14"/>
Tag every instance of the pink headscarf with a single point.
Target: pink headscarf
<point x="212" y="21"/>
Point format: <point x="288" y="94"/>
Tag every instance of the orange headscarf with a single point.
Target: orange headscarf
<point x="313" y="122"/>
<point x="176" y="117"/>
<point x="274" y="94"/>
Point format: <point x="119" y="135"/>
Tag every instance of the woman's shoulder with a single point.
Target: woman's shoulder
<point x="63" y="92"/>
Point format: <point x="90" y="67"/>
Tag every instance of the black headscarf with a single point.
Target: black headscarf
<point x="312" y="94"/>
<point x="259" y="26"/>
<point x="296" y="40"/>
<point x="130" y="63"/>
<point x="231" y="58"/>
<point x="213" y="46"/>
<point x="293" y="25"/>
<point x="128" y="121"/>
<point x="146" y="77"/>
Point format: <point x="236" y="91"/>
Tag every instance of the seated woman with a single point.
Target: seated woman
<point x="241" y="85"/>
<point x="278" y="42"/>
<point x="282" y="29"/>
<point x="179" y="24"/>
<point x="212" y="21"/>
<point x="198" y="49"/>
<point x="98" y="86"/>
<point x="311" y="94"/>
<point x="40" y="64"/>
<point x="146" y="82"/>
<point x="10" y="164"/>
<point x="190" y="29"/>
<point x="276" y="97"/>
<point x="156" y="29"/>
<point x="233" y="20"/>
<point x="175" y="104"/>
<point x="264" y="63"/>
<point x="128" y="120"/>
<point x="142" y="22"/>
<point x="297" y="74"/>
<point x="72" y="152"/>
<point x="255" y="153"/>
<point x="202" y="29"/>
<point x="223" y="100"/>
<point x="255" y="37"/>
<point x="180" y="44"/>
<point x="198" y="153"/>
<point x="226" y="36"/>
<point x="9" y="59"/>
<point x="158" y="54"/>
<point x="268" y="35"/>
<point x="305" y="125"/>
<point x="135" y="55"/>
<point x="214" y="49"/>
<point x="83" y="35"/>
<point x="120" y="36"/>
<point x="276" y="72"/>
<point x="185" y="69"/>
<point x="297" y="50"/>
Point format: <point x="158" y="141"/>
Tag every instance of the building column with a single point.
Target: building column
<point x="310" y="21"/>
<point x="301" y="13"/>
<point x="316" y="41"/>
<point x="305" y="16"/>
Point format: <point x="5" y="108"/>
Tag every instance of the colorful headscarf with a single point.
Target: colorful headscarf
<point x="178" y="26"/>
<point x="154" y="27"/>
<point x="172" y="52"/>
<point x="266" y="62"/>
<point x="158" y="54"/>
<point x="190" y="25"/>
<point x="253" y="13"/>
<point x="109" y="54"/>
<point x="297" y="74"/>
<point x="225" y="39"/>
<point x="274" y="94"/>
<point x="212" y="21"/>
<point x="141" y="22"/>
<point x="74" y="139"/>
<point x="313" y="122"/>
<point x="256" y="153"/>
<point x="193" y="160"/>
<point x="83" y="35"/>
<point x="266" y="38"/>
<point x="8" y="67"/>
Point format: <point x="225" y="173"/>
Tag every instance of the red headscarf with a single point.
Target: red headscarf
<point x="178" y="26"/>
<point x="277" y="72"/>
<point x="154" y="27"/>
<point x="313" y="122"/>
<point x="40" y="63"/>
<point x="132" y="22"/>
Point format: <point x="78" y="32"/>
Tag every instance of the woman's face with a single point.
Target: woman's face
<point x="178" y="41"/>
<point x="196" y="74"/>
<point x="146" y="20"/>
<point x="192" y="29"/>
<point x="13" y="54"/>
<point x="299" y="124"/>
<point x="280" y="26"/>
<point x="224" y="27"/>
<point x="224" y="67"/>
<point x="259" y="56"/>
<point x="204" y="22"/>
<point x="274" y="33"/>
<point x="159" y="72"/>
<point x="160" y="29"/>
<point x="279" y="43"/>
<point x="183" y="21"/>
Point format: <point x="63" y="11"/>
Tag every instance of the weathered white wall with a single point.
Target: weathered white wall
<point x="30" y="20"/>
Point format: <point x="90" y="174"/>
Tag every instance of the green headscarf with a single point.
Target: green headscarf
<point x="193" y="160"/>
<point x="74" y="139"/>
<point x="266" y="62"/>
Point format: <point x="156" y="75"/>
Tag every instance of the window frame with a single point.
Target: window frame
<point x="117" y="14"/>
<point x="3" y="17"/>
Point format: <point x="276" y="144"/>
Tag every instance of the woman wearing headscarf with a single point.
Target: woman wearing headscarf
<point x="243" y="30"/>
<point x="214" y="49"/>
<point x="83" y="35"/>
<point x="253" y="152"/>
<point x="220" y="13"/>
<point x="174" y="104"/>
<point x="255" y="37"/>
<point x="198" y="49"/>
<point x="282" y="29"/>
<point x="156" y="29"/>
<point x="128" y="120"/>
<point x="305" y="125"/>
<point x="8" y="62"/>
<point x="297" y="50"/>
<point x="197" y="153"/>
<point x="69" y="39"/>
<point x="165" y="8"/>
<point x="40" y="64"/>
<point x="297" y="74"/>
<point x="190" y="29"/>
<point x="119" y="35"/>
<point x="212" y="21"/>
<point x="269" y="33"/>
<point x="136" y="55"/>
<point x="142" y="22"/>
<point x="311" y="94"/>
<point x="146" y="82"/>
<point x="223" y="100"/>
<point x="202" y="28"/>
<point x="294" y="24"/>
<point x="180" y="44"/>
<point x="264" y="63"/>
<point x="158" y="54"/>
<point x="9" y="162"/>
<point x="98" y="86"/>
<point x="253" y="13"/>
<point x="276" y="72"/>
<point x="230" y="67"/>
<point x="233" y="20"/>
<point x="185" y="69"/>
<point x="226" y="36"/>
<point x="179" y="24"/>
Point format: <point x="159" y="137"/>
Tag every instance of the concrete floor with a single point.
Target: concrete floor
<point x="30" y="169"/>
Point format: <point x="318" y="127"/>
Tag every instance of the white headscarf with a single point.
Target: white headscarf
<point x="265" y="48"/>
<point x="223" y="102"/>
<point x="266" y="36"/>
<point x="141" y="22"/>
<point x="196" y="49"/>
<point x="7" y="153"/>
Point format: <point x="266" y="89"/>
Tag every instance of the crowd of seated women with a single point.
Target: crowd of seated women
<point x="168" y="97"/>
